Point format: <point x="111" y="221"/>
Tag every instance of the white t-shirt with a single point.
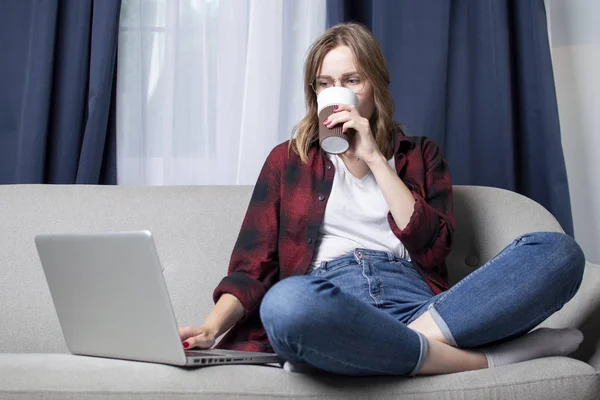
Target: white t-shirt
<point x="355" y="217"/>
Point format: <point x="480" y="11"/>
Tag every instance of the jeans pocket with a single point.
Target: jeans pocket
<point x="332" y="267"/>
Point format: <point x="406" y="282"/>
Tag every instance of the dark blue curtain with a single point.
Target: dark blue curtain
<point x="476" y="77"/>
<point x="57" y="91"/>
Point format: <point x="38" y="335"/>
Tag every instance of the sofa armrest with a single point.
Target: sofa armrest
<point x="583" y="312"/>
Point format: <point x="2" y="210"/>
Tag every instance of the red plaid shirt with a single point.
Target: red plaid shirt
<point x="279" y="232"/>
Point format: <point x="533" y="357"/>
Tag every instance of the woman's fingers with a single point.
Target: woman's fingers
<point x="344" y="107"/>
<point x="349" y="124"/>
<point x="360" y="125"/>
<point x="202" y="341"/>
<point x="337" y="118"/>
<point x="186" y="332"/>
<point x="196" y="336"/>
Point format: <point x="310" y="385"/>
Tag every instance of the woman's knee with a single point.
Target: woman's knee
<point x="565" y="258"/>
<point x="573" y="263"/>
<point x="289" y="305"/>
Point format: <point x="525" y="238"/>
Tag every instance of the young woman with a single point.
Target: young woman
<point x="339" y="264"/>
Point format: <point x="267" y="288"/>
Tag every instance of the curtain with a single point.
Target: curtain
<point x="206" y="88"/>
<point x="575" y="40"/>
<point x="57" y="97"/>
<point x="476" y="77"/>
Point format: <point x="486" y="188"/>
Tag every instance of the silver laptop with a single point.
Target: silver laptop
<point x="112" y="301"/>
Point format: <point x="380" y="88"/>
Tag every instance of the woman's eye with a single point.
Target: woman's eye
<point x="325" y="84"/>
<point x="354" y="81"/>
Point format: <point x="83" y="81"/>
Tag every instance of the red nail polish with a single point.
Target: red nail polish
<point x="326" y="121"/>
<point x="186" y="345"/>
<point x="335" y="108"/>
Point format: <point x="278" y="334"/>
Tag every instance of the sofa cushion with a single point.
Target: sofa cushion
<point x="63" y="376"/>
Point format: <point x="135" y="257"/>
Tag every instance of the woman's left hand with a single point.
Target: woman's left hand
<point x="363" y="144"/>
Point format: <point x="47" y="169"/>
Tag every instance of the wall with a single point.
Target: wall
<point x="575" y="39"/>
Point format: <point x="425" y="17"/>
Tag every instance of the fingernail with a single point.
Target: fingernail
<point x="326" y="121"/>
<point x="335" y="108"/>
<point x="186" y="345"/>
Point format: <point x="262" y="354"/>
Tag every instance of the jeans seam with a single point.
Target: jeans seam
<point x="478" y="271"/>
<point x="377" y="302"/>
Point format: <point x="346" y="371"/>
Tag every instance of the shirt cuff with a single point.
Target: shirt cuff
<point x="422" y="229"/>
<point x="247" y="290"/>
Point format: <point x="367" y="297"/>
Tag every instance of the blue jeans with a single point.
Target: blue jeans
<point x="350" y="315"/>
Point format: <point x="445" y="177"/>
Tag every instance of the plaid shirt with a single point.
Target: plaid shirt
<point x="279" y="232"/>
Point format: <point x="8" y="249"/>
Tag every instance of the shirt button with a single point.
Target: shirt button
<point x="309" y="240"/>
<point x="329" y="167"/>
<point x="321" y="198"/>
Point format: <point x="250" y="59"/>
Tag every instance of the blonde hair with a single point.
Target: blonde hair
<point x="370" y="64"/>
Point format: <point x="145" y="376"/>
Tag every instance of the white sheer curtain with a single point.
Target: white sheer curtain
<point x="206" y="88"/>
<point x="575" y="40"/>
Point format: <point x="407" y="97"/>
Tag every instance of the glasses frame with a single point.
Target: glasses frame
<point x="314" y="82"/>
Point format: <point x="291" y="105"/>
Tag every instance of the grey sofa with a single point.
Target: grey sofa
<point x="195" y="229"/>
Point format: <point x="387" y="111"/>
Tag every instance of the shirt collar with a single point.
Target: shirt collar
<point x="402" y="140"/>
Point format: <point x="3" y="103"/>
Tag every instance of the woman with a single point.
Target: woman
<point x="343" y="255"/>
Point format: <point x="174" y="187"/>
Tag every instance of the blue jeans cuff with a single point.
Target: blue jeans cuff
<point x="437" y="318"/>
<point x="422" y="355"/>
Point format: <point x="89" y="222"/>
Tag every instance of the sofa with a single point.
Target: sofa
<point x="194" y="229"/>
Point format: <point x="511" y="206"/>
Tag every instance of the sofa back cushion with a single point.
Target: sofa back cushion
<point x="487" y="220"/>
<point x="194" y="229"/>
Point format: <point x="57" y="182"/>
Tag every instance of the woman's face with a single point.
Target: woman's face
<point x="338" y="65"/>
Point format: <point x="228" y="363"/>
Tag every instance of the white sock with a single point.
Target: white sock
<point x="543" y="342"/>
<point x="298" y="367"/>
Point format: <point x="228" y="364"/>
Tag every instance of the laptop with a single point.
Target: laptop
<point x="112" y="301"/>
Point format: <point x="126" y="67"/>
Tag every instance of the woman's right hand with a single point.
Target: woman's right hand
<point x="202" y="337"/>
<point x="224" y="315"/>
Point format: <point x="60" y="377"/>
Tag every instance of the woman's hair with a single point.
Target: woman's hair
<point x="371" y="66"/>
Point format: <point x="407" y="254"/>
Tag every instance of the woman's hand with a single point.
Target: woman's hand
<point x="201" y="336"/>
<point x="363" y="145"/>
<point x="226" y="313"/>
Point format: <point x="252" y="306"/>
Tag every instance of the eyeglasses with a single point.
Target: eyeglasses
<point x="353" y="82"/>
